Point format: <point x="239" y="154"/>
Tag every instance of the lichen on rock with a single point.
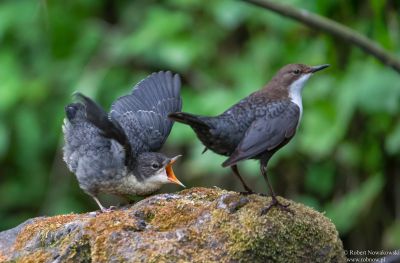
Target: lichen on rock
<point x="194" y="225"/>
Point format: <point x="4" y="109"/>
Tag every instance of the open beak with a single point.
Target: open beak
<point x="318" y="68"/>
<point x="170" y="173"/>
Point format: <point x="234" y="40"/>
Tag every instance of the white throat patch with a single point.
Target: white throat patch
<point x="132" y="186"/>
<point x="295" y="91"/>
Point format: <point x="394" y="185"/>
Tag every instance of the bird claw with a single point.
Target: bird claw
<point x="277" y="204"/>
<point x="108" y="210"/>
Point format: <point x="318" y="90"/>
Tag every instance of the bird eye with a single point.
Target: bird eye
<point x="155" y="166"/>
<point x="297" y="71"/>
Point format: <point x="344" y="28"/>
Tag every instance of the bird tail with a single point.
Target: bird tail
<point x="189" y="119"/>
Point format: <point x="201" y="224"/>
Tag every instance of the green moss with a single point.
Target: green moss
<point x="41" y="228"/>
<point x="279" y="236"/>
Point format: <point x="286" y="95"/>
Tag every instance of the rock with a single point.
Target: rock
<point x="194" y="225"/>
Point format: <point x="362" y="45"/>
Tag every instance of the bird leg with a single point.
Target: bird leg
<point x="102" y="208"/>
<point x="274" y="201"/>
<point x="236" y="172"/>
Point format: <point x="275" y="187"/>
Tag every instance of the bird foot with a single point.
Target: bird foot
<point x="277" y="204"/>
<point x="108" y="210"/>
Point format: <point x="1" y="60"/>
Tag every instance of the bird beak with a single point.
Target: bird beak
<point x="170" y="173"/>
<point x="318" y="68"/>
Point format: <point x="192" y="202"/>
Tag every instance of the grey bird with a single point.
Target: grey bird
<point x="117" y="152"/>
<point x="258" y="125"/>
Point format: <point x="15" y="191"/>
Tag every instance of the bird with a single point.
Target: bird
<point x="257" y="126"/>
<point x="117" y="152"/>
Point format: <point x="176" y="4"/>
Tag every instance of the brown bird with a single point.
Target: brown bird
<point x="258" y="125"/>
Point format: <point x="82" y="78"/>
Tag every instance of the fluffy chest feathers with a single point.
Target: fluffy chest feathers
<point x="128" y="184"/>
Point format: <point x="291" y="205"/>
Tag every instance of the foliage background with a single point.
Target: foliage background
<point x="345" y="159"/>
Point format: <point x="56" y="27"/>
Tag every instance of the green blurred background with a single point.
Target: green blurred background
<point x="345" y="159"/>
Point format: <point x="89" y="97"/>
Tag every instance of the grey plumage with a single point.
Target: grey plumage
<point x="116" y="153"/>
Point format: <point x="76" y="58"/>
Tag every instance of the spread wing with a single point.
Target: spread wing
<point x="267" y="132"/>
<point x="143" y="113"/>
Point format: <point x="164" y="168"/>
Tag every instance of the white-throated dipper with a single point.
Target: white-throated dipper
<point x="117" y="153"/>
<point x="258" y="125"/>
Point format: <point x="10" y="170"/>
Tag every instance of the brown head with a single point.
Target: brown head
<point x="291" y="78"/>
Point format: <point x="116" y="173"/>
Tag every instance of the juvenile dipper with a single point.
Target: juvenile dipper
<point x="117" y="153"/>
<point x="258" y="125"/>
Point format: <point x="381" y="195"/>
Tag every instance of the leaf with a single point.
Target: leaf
<point x="377" y="87"/>
<point x="11" y="80"/>
<point x="229" y="14"/>
<point x="346" y="212"/>
<point x="320" y="131"/>
<point x="320" y="179"/>
<point x="4" y="139"/>
<point x="392" y="142"/>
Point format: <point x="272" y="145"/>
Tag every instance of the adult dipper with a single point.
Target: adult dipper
<point x="117" y="153"/>
<point x="258" y="125"/>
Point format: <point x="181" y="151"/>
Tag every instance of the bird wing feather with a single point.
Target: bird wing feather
<point x="108" y="128"/>
<point x="83" y="140"/>
<point x="143" y="113"/>
<point x="267" y="132"/>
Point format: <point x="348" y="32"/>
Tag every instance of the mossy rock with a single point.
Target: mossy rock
<point x="194" y="225"/>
